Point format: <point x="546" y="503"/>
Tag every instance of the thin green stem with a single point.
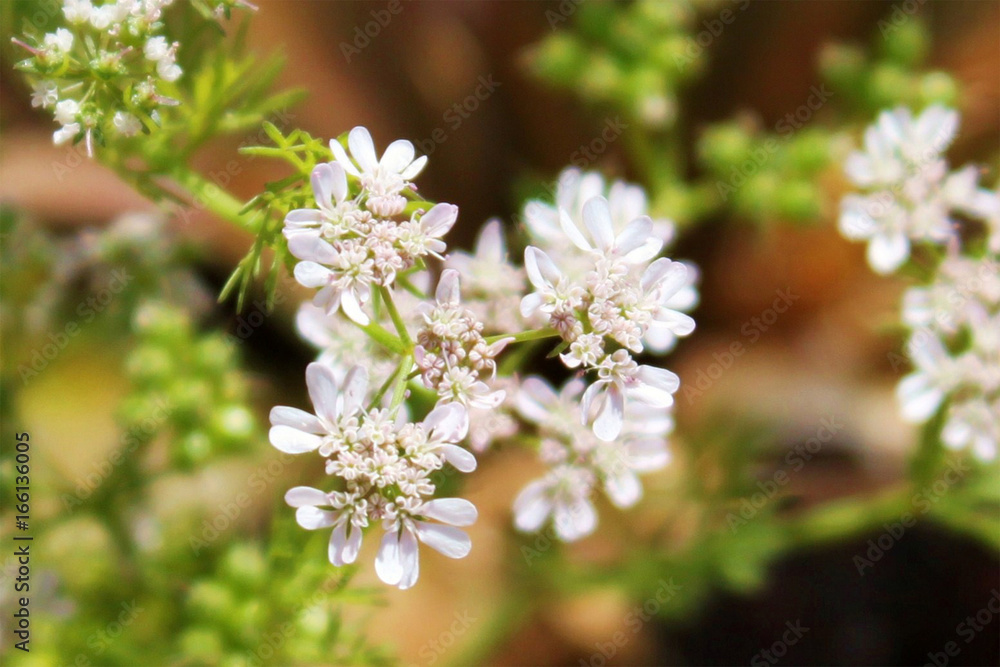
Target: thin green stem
<point x="385" y="338"/>
<point x="534" y="334"/>
<point x="397" y="319"/>
<point x="399" y="393"/>
<point x="205" y="194"/>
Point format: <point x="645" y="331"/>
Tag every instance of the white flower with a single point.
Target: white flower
<point x="491" y="285"/>
<point x="553" y="290"/>
<point x="67" y="111"/>
<point x="168" y="70"/>
<point x="126" y="124"/>
<point x="295" y="431"/>
<point x="620" y="377"/>
<point x="65" y="133"/>
<point x="382" y="179"/>
<point x="937" y="374"/>
<point x="44" y="94"/>
<point x="398" y="560"/>
<point x="678" y="295"/>
<point x="348" y="519"/>
<point x="333" y="217"/>
<point x="633" y="244"/>
<point x="77" y="11"/>
<point x="156" y="48"/>
<point x="564" y="495"/>
<point x="102" y="17"/>
<point x="974" y="423"/>
<point x="348" y="287"/>
<point x="881" y="222"/>
<point x="59" y="42"/>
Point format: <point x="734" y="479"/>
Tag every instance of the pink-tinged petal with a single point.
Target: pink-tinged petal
<point x="304" y="216"/>
<point x="311" y="274"/>
<point x="415" y="168"/>
<point x="340" y="155"/>
<point x="936" y="127"/>
<point x="611" y="417"/>
<point x="313" y="518"/>
<point x="322" y="184"/>
<point x="531" y="303"/>
<point x="490" y="245"/>
<point x="623" y="489"/>
<point x="918" y="398"/>
<point x="448" y="422"/>
<point x="597" y="219"/>
<point x="542" y="271"/>
<point x="353" y="544"/>
<point x="886" y="253"/>
<point x="447" y="540"/>
<point x="306" y="496"/>
<point x="573" y="232"/>
<point x="460" y="459"/>
<point x="311" y="323"/>
<point x="664" y="275"/>
<point x="409" y="558"/>
<point x="594" y="392"/>
<point x="312" y="248"/>
<point x="448" y="289"/>
<point x="328" y="300"/>
<point x="576" y="521"/>
<point x="359" y="140"/>
<point x="323" y="392"/>
<point x="453" y="511"/>
<point x="437" y="221"/>
<point x="678" y="323"/>
<point x="536" y="400"/>
<point x="338" y="186"/>
<point x="338" y="538"/>
<point x="387" y="564"/>
<point x="352" y="308"/>
<point x="355" y="386"/>
<point x="648" y="454"/>
<point x="658" y="378"/>
<point x="634" y="237"/>
<point x="532" y="507"/>
<point x="397" y="156"/>
<point x="298" y="419"/>
<point x="293" y="441"/>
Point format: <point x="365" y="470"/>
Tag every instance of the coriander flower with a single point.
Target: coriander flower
<point x="44" y="94"/>
<point x="335" y="213"/>
<point x="382" y="179"/>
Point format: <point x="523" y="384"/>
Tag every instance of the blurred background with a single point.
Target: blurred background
<point x="827" y="360"/>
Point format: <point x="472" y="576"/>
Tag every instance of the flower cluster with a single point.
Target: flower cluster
<point x="579" y="463"/>
<point x="384" y="467"/>
<point x="452" y="353"/>
<point x="610" y="299"/>
<point x="365" y="249"/>
<point x="350" y="244"/>
<point x="105" y="73"/>
<point x="955" y="319"/>
<point x="909" y="193"/>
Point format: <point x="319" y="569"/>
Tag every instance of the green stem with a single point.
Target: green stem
<point x="397" y="319"/>
<point x="206" y="195"/>
<point x="534" y="334"/>
<point x="384" y="338"/>
<point x="399" y="393"/>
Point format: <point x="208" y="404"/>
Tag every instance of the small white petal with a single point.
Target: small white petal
<point x="447" y="540"/>
<point x="293" y="441"/>
<point x="387" y="565"/>
<point x="298" y="419"/>
<point x="313" y="518"/>
<point x="322" y="386"/>
<point x="304" y="496"/>
<point x="454" y="511"/>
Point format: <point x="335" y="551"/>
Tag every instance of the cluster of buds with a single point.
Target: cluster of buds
<point x="364" y="249"/>
<point x="912" y="198"/>
<point x="106" y="73"/>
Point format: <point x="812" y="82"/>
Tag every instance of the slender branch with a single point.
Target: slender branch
<point x="206" y="195"/>
<point x="383" y="337"/>
<point x="397" y="319"/>
<point x="399" y="393"/>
